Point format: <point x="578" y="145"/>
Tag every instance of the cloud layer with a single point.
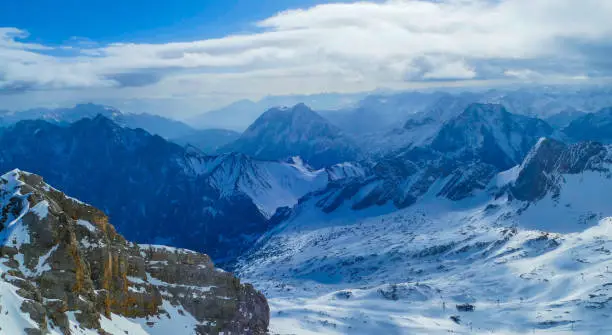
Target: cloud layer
<point x="340" y="47"/>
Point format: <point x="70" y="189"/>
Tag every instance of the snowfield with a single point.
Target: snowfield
<point x="544" y="267"/>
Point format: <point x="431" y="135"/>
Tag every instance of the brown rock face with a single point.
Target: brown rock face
<point x="68" y="258"/>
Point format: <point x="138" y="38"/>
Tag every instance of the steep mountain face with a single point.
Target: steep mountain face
<point x="541" y="173"/>
<point x="528" y="251"/>
<point x="64" y="269"/>
<point x="153" y="190"/>
<point x="399" y="181"/>
<point x="281" y="133"/>
<point x="492" y="134"/>
<point x="207" y="140"/>
<point x="592" y="127"/>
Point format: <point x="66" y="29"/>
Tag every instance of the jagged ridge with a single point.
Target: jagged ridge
<point x="65" y="264"/>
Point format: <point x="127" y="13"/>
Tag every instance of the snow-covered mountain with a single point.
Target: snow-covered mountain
<point x="529" y="252"/>
<point x="491" y="133"/>
<point x="65" y="270"/>
<point x="458" y="161"/>
<point x="154" y="190"/>
<point x="281" y="133"/>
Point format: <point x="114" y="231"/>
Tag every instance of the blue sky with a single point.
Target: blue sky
<point x="107" y="21"/>
<point x="183" y="57"/>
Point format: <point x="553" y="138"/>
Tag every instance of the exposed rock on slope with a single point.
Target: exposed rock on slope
<point x="64" y="267"/>
<point x="491" y="134"/>
<point x="542" y="170"/>
<point x="459" y="160"/>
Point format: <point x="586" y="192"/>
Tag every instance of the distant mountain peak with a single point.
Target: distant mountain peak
<point x="491" y="133"/>
<point x="283" y="132"/>
<point x="299" y="112"/>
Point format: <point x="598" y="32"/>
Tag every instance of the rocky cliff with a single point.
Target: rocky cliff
<point x="547" y="164"/>
<point x="64" y="268"/>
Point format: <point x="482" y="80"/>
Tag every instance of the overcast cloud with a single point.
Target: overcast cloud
<point x="327" y="48"/>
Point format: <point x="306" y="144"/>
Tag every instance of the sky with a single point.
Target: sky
<point x="181" y="58"/>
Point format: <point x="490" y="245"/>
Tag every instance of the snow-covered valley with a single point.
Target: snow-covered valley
<point x="525" y="267"/>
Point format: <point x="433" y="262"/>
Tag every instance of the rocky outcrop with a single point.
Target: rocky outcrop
<point x="67" y="265"/>
<point x="542" y="170"/>
<point x="404" y="178"/>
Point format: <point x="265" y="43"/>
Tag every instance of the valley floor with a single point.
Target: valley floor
<point x="405" y="272"/>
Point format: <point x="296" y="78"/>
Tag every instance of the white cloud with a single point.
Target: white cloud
<point x="524" y="74"/>
<point x="332" y="47"/>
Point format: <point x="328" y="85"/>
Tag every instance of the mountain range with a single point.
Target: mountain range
<point x="469" y="217"/>
<point x="447" y="237"/>
<point x="206" y="140"/>
<point x="144" y="182"/>
<point x="387" y="111"/>
<point x="239" y="115"/>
